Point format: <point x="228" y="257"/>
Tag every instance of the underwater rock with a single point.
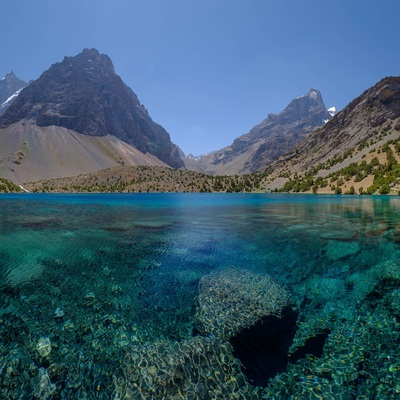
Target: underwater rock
<point x="337" y="250"/>
<point x="69" y="325"/>
<point x="314" y="345"/>
<point x="89" y="298"/>
<point x="26" y="271"/>
<point x="43" y="346"/>
<point x="323" y="289"/>
<point x="186" y="276"/>
<point x="231" y="299"/>
<point x="197" y="368"/>
<point x="116" y="289"/>
<point x="375" y="282"/>
<point x="42" y="387"/>
<point x="59" y="314"/>
<point x="359" y="360"/>
<point x="393" y="301"/>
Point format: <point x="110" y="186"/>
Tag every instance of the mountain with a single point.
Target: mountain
<point x="267" y="141"/>
<point x="364" y="125"/>
<point x="83" y="94"/>
<point x="29" y="153"/>
<point x="10" y="87"/>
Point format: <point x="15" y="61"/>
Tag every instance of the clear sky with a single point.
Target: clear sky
<point x="209" y="70"/>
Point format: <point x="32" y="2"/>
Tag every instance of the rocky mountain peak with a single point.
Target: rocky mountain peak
<point x="309" y="107"/>
<point x="92" y="62"/>
<point x="83" y="93"/>
<point x="10" y="75"/>
<point x="10" y="87"/>
<point x="268" y="140"/>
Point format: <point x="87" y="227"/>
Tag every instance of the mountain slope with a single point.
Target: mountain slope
<point x="84" y="94"/>
<point x="29" y="153"/>
<point x="374" y="111"/>
<point x="10" y="87"/>
<point x="367" y="123"/>
<point x="274" y="136"/>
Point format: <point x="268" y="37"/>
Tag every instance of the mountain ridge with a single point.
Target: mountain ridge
<point x="83" y="93"/>
<point x="357" y="122"/>
<point x="72" y="108"/>
<point x="364" y="125"/>
<point x="268" y="140"/>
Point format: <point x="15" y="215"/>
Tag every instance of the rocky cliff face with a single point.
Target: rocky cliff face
<point x="376" y="111"/>
<point x="10" y="87"/>
<point x="84" y="94"/>
<point x="267" y="141"/>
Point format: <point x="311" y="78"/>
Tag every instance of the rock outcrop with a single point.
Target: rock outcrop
<point x="84" y="94"/>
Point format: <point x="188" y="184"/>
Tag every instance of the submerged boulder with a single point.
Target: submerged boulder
<point x="42" y="386"/>
<point x="375" y="283"/>
<point x="44" y="346"/>
<point x="235" y="307"/>
<point x="197" y="368"/>
<point x="232" y="299"/>
<point x="337" y="250"/>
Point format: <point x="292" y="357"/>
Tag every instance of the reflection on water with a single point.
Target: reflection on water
<point x="99" y="293"/>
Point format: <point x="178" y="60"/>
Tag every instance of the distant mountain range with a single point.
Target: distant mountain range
<point x="10" y="87"/>
<point x="267" y="141"/>
<point x="79" y="117"/>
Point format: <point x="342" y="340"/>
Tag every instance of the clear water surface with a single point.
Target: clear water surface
<point x="98" y="292"/>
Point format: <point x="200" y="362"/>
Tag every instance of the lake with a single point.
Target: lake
<point x="199" y="296"/>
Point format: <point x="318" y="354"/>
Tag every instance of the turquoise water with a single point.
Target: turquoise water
<point x="100" y="296"/>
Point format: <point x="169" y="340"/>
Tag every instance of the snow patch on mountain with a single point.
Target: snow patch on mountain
<point x="332" y="111"/>
<point x="12" y="97"/>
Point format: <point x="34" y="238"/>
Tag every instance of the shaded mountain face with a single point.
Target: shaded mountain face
<point x="267" y="141"/>
<point x="84" y="94"/>
<point x="10" y="87"/>
<point x="376" y="111"/>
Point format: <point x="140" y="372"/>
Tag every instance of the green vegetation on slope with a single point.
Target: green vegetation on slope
<point x="386" y="175"/>
<point x="150" y="179"/>
<point x="7" y="186"/>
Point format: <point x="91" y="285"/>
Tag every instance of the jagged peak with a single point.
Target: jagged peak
<point x="313" y="93"/>
<point x="93" y="55"/>
<point x="303" y="107"/>
<point x="10" y="75"/>
<point x="87" y="53"/>
<point x="90" y="56"/>
<point x="91" y="51"/>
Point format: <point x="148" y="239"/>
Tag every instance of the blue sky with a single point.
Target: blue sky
<point x="209" y="70"/>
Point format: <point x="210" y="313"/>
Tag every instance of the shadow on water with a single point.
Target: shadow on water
<point x="263" y="348"/>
